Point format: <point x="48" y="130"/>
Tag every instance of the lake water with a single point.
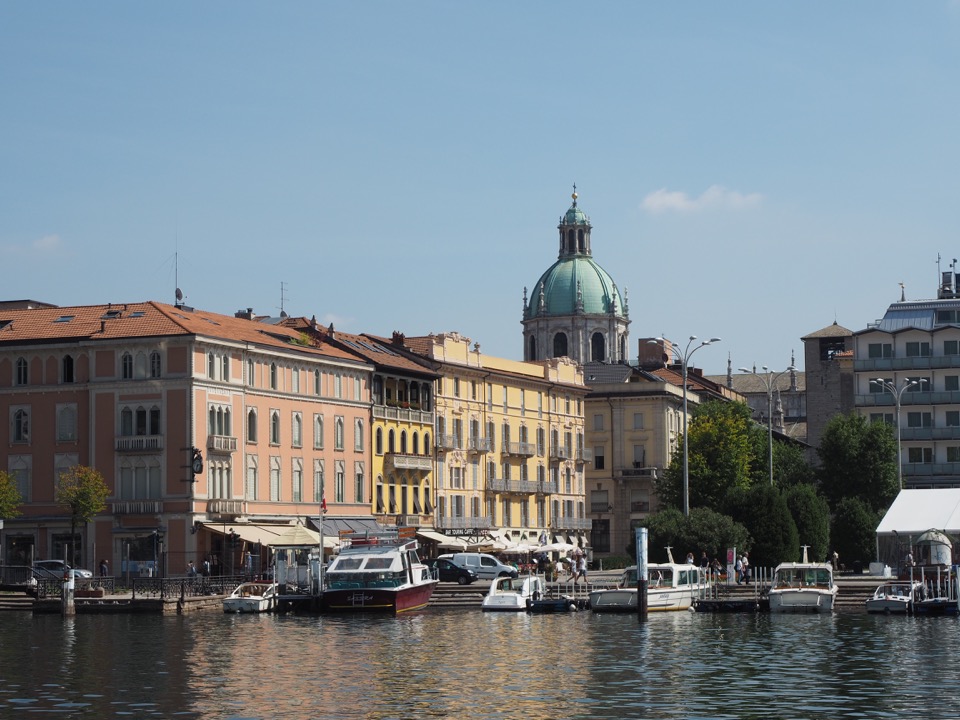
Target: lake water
<point x="469" y="664"/>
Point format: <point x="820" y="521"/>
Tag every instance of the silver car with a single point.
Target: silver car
<point x="56" y="568"/>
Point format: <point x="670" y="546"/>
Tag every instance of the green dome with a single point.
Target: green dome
<point x="575" y="216"/>
<point x="597" y="290"/>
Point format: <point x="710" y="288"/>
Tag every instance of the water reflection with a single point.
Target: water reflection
<point x="467" y="663"/>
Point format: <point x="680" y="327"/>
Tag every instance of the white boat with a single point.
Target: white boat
<point x="251" y="597"/>
<point x="508" y="594"/>
<point x="670" y="586"/>
<point x="802" y="587"/>
<point x="893" y="597"/>
<point x="378" y="572"/>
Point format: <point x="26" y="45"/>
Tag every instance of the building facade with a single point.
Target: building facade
<point x="141" y="392"/>
<point x="913" y="353"/>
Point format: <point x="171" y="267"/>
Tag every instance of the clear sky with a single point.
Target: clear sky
<point x="752" y="170"/>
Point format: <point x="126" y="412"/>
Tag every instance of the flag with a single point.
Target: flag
<point x="323" y="503"/>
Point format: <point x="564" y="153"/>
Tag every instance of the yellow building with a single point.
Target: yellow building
<point x="509" y="442"/>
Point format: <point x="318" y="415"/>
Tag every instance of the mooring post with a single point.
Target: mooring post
<point x="641" y="541"/>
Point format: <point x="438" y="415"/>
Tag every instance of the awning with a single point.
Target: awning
<point x="916" y="511"/>
<point x="443" y="541"/>
<point x="249" y="532"/>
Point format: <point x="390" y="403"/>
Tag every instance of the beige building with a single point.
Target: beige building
<point x="509" y="440"/>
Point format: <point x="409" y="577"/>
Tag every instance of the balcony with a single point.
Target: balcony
<point x="478" y="522"/>
<point x="930" y="433"/>
<point x="384" y="412"/>
<point x="137" y="507"/>
<point x="226" y="507"/>
<point x="448" y="442"/>
<point x="548" y="488"/>
<point x="479" y="445"/>
<point x="522" y="449"/>
<point x="139" y="443"/>
<point x="584" y="455"/>
<point x="636" y="472"/>
<point x="410" y="462"/>
<point x="559" y="452"/>
<point x="522" y="487"/>
<point x="942" y="397"/>
<point x="573" y="523"/>
<point x="221" y="443"/>
<point x="930" y="362"/>
<point x="398" y="520"/>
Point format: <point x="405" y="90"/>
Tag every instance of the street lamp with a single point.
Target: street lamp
<point x="684" y="361"/>
<point x="769" y="382"/>
<point x="897" y="393"/>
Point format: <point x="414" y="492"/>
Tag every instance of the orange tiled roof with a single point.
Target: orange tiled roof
<point x="144" y="320"/>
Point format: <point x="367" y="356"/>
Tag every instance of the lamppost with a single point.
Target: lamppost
<point x="769" y="382"/>
<point x="684" y="361"/>
<point x="897" y="393"/>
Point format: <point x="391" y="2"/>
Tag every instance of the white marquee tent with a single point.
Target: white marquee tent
<point x="913" y="513"/>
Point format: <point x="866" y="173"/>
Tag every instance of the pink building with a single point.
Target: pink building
<point x="139" y="391"/>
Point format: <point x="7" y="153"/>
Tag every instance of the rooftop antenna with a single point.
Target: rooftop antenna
<point x="903" y="292"/>
<point x="283" y="313"/>
<point x="178" y="294"/>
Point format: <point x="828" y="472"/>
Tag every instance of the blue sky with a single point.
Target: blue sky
<point x="753" y="171"/>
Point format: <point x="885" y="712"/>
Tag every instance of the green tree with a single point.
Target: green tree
<point x="854" y="531"/>
<point x="763" y="510"/>
<point x="83" y="492"/>
<point x="811" y="513"/>
<point x="790" y="466"/>
<point x="10" y="499"/>
<point x="858" y="459"/>
<point x="721" y="454"/>
<point x="704" y="530"/>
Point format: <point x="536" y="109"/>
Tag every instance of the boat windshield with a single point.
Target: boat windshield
<point x="802" y="577"/>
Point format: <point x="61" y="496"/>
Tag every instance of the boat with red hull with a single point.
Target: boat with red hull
<point x="378" y="572"/>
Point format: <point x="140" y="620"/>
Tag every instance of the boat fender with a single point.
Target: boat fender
<point x="536" y="595"/>
<point x="573" y="607"/>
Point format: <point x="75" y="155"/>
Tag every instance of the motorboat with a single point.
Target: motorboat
<point x="670" y="586"/>
<point x="378" y="572"/>
<point x="507" y="594"/>
<point x="938" y="592"/>
<point x="893" y="598"/>
<point x="251" y="597"/>
<point x="802" y="587"/>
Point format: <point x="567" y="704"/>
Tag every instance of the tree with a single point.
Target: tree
<point x="811" y="513"/>
<point x="854" y="531"/>
<point x="83" y="492"/>
<point x="704" y="530"/>
<point x="10" y="498"/>
<point x="858" y="459"/>
<point x="720" y="452"/>
<point x="763" y="511"/>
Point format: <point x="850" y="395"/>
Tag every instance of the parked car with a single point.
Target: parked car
<point x="486" y="566"/>
<point x="56" y="568"/>
<point x="448" y="571"/>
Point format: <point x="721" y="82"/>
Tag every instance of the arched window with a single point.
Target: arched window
<point x="155" y="366"/>
<point x="126" y="422"/>
<point x="598" y="348"/>
<point x="378" y="390"/>
<point x="560" y="345"/>
<point x="391" y="444"/>
<point x="211" y="366"/>
<point x="140" y="421"/>
<point x="21" y="426"/>
<point x="581" y="247"/>
<point x="154" y="426"/>
<point x="252" y="426"/>
<point x="23" y="375"/>
<point x="379" y="441"/>
<point x="67" y="369"/>
<point x="297" y="430"/>
<point x="275" y="428"/>
<point x="358" y="434"/>
<point x="338" y="434"/>
<point x="126" y="366"/>
<point x="403" y="442"/>
<point x="316" y="382"/>
<point x="273" y="376"/>
<point x="416" y="444"/>
<point x="426" y="443"/>
<point x="531" y="348"/>
<point x="318" y="432"/>
<point x="571" y="241"/>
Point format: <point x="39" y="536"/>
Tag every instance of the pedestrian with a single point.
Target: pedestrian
<point x="206" y="567"/>
<point x="689" y="558"/>
<point x="835" y="558"/>
<point x="581" y="569"/>
<point x="704" y="561"/>
<point x="739" y="569"/>
<point x="717" y="567"/>
<point x="192" y="569"/>
<point x="909" y="560"/>
<point x="746" y="567"/>
<point x="104" y="568"/>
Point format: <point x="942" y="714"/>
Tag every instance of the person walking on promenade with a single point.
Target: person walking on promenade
<point x="739" y="569"/>
<point x="104" y="568"/>
<point x="581" y="569"/>
<point x="746" y="567"/>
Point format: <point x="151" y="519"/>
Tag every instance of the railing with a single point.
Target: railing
<point x="930" y="469"/>
<point x="480" y="522"/>
<point x="635" y="472"/>
<point x="640" y="506"/>
<point x="930" y="433"/>
<point x="384" y="412"/>
<point x="548" y="488"/>
<point x="136" y="507"/>
<point x="573" y="523"/>
<point x="479" y="444"/>
<point x="906" y="363"/>
<point x="924" y="397"/>
<point x="138" y="443"/>
<point x="584" y="455"/>
<point x="512" y="486"/>
<point x="524" y="449"/>
<point x="411" y="462"/>
<point x="559" y="452"/>
<point x="194" y="586"/>
<point x="448" y="442"/>
<point x="221" y="443"/>
<point x="226" y="507"/>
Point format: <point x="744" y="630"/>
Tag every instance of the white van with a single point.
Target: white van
<point x="486" y="566"/>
